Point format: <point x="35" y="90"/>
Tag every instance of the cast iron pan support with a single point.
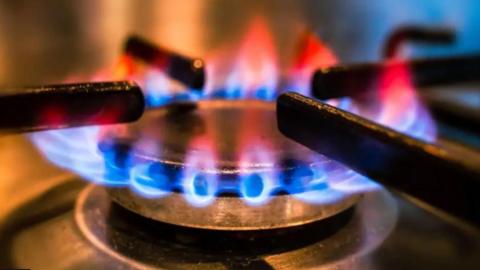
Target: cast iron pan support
<point x="422" y="170"/>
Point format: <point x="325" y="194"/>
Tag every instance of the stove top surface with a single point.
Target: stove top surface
<point x="381" y="232"/>
<point x="54" y="221"/>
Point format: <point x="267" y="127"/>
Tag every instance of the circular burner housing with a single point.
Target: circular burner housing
<point x="131" y="241"/>
<point x="231" y="213"/>
<point x="222" y="164"/>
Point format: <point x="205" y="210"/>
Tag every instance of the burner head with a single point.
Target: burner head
<point x="222" y="164"/>
<point x="240" y="135"/>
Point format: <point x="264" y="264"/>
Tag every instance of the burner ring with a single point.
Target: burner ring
<point x="231" y="213"/>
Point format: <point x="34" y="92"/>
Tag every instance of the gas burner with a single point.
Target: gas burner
<point x="223" y="165"/>
<point x="133" y="241"/>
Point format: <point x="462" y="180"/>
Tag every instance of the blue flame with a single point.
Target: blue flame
<point x="62" y="148"/>
<point x="147" y="183"/>
<point x="331" y="182"/>
<point x="319" y="182"/>
<point x="198" y="183"/>
<point x="160" y="90"/>
<point x="200" y="189"/>
<point x="256" y="188"/>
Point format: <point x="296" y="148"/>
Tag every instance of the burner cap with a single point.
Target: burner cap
<point x="223" y="128"/>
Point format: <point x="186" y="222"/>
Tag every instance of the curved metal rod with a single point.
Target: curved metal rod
<point x="419" y="169"/>
<point x="190" y="71"/>
<point x="418" y="35"/>
<point x="69" y="105"/>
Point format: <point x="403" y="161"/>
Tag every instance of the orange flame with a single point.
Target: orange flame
<point x="396" y="93"/>
<point x="401" y="108"/>
<point x="125" y="68"/>
<point x="256" y="64"/>
<point x="311" y="54"/>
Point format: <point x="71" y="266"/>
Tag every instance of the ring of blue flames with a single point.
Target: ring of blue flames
<point x="319" y="182"/>
<point x="77" y="150"/>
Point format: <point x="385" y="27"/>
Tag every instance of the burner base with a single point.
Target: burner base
<point x="231" y="213"/>
<point x="136" y="242"/>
